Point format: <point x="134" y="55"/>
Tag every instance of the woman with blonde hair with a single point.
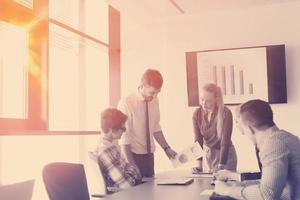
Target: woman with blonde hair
<point x="212" y="123"/>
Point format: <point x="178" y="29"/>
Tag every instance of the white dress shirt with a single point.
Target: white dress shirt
<point x="279" y="152"/>
<point x="134" y="106"/>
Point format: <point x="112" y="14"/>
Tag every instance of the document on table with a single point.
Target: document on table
<point x="207" y="192"/>
<point x="189" y="154"/>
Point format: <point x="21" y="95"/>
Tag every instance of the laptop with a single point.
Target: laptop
<point x="175" y="181"/>
<point x="17" y="191"/>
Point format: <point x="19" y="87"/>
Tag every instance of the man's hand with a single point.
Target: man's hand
<point x="170" y="153"/>
<point x="225" y="175"/>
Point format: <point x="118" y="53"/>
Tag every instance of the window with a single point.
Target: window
<point x="64" y="80"/>
<point x="69" y="68"/>
<point x="24" y="66"/>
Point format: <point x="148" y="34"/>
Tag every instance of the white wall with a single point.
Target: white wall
<point x="140" y="49"/>
<point x="164" y="47"/>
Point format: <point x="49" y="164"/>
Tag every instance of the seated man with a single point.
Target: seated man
<point x="115" y="169"/>
<point x="279" y="153"/>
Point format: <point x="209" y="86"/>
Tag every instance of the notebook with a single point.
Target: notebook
<point x="175" y="181"/>
<point x="17" y="191"/>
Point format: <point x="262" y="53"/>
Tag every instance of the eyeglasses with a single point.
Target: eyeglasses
<point x="152" y="89"/>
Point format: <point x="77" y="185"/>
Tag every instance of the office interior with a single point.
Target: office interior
<point x="78" y="57"/>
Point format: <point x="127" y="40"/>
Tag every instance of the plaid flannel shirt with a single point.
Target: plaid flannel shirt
<point x="121" y="173"/>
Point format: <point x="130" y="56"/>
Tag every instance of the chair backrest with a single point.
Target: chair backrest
<point x="65" y="181"/>
<point x="96" y="182"/>
<point x="99" y="169"/>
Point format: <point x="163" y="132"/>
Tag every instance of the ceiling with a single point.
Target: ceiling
<point x="160" y="9"/>
<point x="197" y="6"/>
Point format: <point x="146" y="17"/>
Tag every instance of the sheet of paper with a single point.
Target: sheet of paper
<point x="189" y="154"/>
<point x="206" y="192"/>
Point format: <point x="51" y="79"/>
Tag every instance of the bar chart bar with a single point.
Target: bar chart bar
<point x="250" y="88"/>
<point x="241" y="82"/>
<point x="232" y="81"/>
<point x="214" y="73"/>
<point x="223" y="79"/>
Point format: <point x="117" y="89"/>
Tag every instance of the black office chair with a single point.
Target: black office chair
<point x="66" y="181"/>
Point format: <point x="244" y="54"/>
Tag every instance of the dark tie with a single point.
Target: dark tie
<point x="147" y="129"/>
<point x="258" y="159"/>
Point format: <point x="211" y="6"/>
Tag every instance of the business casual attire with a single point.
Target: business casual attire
<point x="218" y="150"/>
<point x="116" y="170"/>
<point x="134" y="106"/>
<point x="279" y="153"/>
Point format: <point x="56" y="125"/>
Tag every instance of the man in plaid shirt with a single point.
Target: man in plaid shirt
<point x="117" y="172"/>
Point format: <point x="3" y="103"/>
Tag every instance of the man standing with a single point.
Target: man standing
<point x="143" y="124"/>
<point x="279" y="154"/>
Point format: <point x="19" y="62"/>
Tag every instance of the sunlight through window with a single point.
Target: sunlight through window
<point x="13" y="71"/>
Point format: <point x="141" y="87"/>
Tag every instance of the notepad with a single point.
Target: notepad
<point x="175" y="181"/>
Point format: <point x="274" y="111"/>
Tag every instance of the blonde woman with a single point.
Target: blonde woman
<point x="213" y="128"/>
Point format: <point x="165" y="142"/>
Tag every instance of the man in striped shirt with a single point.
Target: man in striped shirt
<point x="279" y="153"/>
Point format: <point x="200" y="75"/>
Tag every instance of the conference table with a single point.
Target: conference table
<point x="151" y="191"/>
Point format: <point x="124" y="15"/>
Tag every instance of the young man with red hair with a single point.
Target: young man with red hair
<point x="143" y="124"/>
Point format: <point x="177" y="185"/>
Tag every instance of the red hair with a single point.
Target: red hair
<point x="153" y="78"/>
<point x="112" y="118"/>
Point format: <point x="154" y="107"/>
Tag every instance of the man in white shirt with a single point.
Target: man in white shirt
<point x="143" y="124"/>
<point x="279" y="153"/>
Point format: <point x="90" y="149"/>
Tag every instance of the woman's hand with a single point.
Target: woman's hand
<point x="197" y="170"/>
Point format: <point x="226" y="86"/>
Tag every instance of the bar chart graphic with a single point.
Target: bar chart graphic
<point x="240" y="73"/>
<point x="228" y="80"/>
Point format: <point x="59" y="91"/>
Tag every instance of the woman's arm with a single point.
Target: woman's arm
<point x="198" y="137"/>
<point x="197" y="133"/>
<point x="226" y="136"/>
